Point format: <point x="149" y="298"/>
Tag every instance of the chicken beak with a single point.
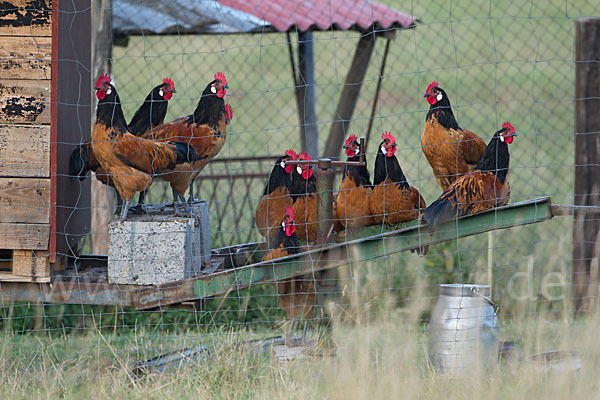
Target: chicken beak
<point x="226" y="86"/>
<point x="345" y="147"/>
<point x="173" y="91"/>
<point x="426" y="95"/>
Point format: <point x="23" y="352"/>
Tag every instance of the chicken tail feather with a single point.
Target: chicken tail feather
<point x="442" y="210"/>
<point x="78" y="162"/>
<point x="186" y="153"/>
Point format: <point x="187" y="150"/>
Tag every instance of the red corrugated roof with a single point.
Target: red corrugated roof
<point x="323" y="15"/>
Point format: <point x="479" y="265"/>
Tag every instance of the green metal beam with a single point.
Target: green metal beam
<point x="374" y="242"/>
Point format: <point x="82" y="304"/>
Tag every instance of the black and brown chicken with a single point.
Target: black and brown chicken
<point x="304" y="197"/>
<point x="131" y="162"/>
<point x="351" y="204"/>
<point x="486" y="187"/>
<point x="393" y="200"/>
<point x="297" y="296"/>
<point x="276" y="196"/>
<point x="451" y="150"/>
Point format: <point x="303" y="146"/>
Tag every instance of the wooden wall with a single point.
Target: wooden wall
<point x="45" y="111"/>
<point x="25" y="117"/>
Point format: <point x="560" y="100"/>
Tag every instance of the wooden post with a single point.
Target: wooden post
<point x="306" y="94"/>
<point x="349" y="96"/>
<point x="102" y="196"/>
<point x="587" y="156"/>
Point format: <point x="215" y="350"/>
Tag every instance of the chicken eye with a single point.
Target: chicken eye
<point x="213" y="89"/>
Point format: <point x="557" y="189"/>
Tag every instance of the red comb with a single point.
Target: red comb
<point x="304" y="156"/>
<point x="507" y="125"/>
<point x="102" y="79"/>
<point x="350" y="139"/>
<point x="431" y="86"/>
<point x="387" y="135"/>
<point x="221" y="77"/>
<point x="291" y="153"/>
<point x="228" y="112"/>
<point x="169" y="82"/>
<point x="289" y="211"/>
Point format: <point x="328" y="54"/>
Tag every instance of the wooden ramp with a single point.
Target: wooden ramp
<point x="243" y="269"/>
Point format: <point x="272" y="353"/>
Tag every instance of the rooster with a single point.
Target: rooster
<point x="393" y="199"/>
<point x="276" y="197"/>
<point x="296" y="295"/>
<point x="304" y="196"/>
<point x="486" y="187"/>
<point x="205" y="130"/>
<point x="130" y="161"/>
<point x="150" y="114"/>
<point x="351" y="207"/>
<point x="450" y="150"/>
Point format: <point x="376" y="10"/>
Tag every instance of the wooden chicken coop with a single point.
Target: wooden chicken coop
<point x="45" y="93"/>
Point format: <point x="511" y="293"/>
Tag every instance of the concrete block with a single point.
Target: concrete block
<point x="159" y="248"/>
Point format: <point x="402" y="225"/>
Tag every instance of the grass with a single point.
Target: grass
<point x="383" y="357"/>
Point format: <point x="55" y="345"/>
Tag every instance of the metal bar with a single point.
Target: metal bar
<point x="558" y="210"/>
<point x="378" y="90"/>
<point x="332" y="256"/>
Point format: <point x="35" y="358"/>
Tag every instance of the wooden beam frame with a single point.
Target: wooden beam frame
<point x="587" y="158"/>
<point x="349" y="96"/>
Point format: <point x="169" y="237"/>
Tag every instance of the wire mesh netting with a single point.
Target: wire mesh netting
<point x="496" y="62"/>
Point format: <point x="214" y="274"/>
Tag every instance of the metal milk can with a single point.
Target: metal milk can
<point x="463" y="330"/>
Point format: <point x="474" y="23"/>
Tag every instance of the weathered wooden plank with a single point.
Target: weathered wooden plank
<point x="8" y="277"/>
<point x="23" y="57"/>
<point x="24" y="236"/>
<point x="26" y="17"/>
<point x="25" y="101"/>
<point x="31" y="264"/>
<point x="25" y="151"/>
<point x="25" y="200"/>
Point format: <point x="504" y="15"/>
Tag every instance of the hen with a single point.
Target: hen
<point x="450" y="150"/>
<point x="154" y="109"/>
<point x="205" y="130"/>
<point x="393" y="199"/>
<point x="130" y="161"/>
<point x="297" y="295"/>
<point x="486" y="187"/>
<point x="276" y="197"/>
<point x="150" y="114"/>
<point x="351" y="207"/>
<point x="304" y="196"/>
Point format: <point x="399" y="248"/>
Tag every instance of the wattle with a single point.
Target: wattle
<point x="307" y="173"/>
<point x="431" y="100"/>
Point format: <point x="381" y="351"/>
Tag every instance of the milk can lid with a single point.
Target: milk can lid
<point x="464" y="290"/>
